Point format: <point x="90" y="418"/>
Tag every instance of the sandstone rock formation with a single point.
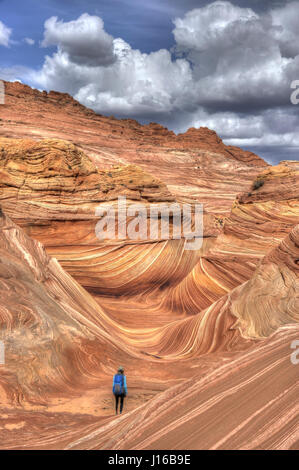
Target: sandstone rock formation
<point x="208" y="329"/>
<point x="195" y="165"/>
<point x="53" y="190"/>
<point x="258" y="221"/>
<point x="194" y="415"/>
<point x="61" y="344"/>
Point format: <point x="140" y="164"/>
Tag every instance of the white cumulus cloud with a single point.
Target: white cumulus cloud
<point x="5" y="34"/>
<point x="230" y="69"/>
<point x="84" y="40"/>
<point x="29" y="41"/>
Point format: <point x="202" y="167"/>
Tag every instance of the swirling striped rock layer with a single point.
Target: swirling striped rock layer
<point x="205" y="335"/>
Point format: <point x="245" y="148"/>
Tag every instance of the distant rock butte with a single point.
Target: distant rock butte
<point x="123" y="129"/>
<point x="195" y="165"/>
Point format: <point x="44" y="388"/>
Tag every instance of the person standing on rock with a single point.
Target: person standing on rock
<point x="119" y="388"/>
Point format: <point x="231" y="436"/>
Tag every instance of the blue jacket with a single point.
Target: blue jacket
<point x="117" y="379"/>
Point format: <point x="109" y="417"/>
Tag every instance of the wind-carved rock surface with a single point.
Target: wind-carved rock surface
<point x="61" y="344"/>
<point x="204" y="335"/>
<point x="196" y="165"/>
<point x="194" y="414"/>
<point x="46" y="320"/>
<point x="258" y="221"/>
<point x="53" y="190"/>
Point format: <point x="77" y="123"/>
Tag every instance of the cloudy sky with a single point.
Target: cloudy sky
<point x="225" y="65"/>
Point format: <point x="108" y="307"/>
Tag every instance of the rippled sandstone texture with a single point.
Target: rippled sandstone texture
<point x="226" y="409"/>
<point x="258" y="221"/>
<point x="62" y="350"/>
<point x="195" y="165"/>
<point x="61" y="344"/>
<point x="53" y="190"/>
<point x="209" y="329"/>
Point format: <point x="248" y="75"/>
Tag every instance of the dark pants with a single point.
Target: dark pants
<point x="121" y="399"/>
